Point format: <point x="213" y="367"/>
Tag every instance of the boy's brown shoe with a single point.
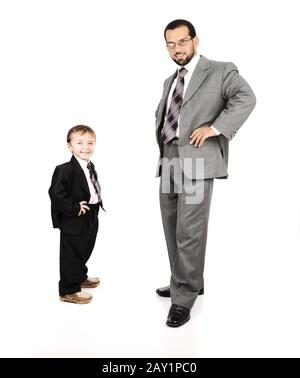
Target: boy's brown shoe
<point x="90" y="282"/>
<point x="79" y="298"/>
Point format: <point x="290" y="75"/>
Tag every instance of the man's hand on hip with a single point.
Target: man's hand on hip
<point x="199" y="135"/>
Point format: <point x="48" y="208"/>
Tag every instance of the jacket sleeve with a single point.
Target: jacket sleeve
<point x="240" y="101"/>
<point x="59" y="192"/>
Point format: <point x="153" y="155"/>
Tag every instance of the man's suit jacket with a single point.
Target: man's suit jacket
<point x="216" y="95"/>
<point x="68" y="187"/>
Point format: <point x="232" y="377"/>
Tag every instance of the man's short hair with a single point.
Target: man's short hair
<point x="177" y="23"/>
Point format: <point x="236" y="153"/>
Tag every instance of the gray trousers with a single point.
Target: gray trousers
<point x="185" y="227"/>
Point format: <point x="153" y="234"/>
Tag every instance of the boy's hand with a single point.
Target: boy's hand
<point x="83" y="207"/>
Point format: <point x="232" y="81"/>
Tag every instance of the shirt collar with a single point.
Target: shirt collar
<point x="83" y="163"/>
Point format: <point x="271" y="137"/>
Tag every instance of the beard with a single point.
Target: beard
<point x="185" y="59"/>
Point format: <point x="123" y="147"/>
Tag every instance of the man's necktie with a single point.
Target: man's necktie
<point x="169" y="129"/>
<point x="94" y="180"/>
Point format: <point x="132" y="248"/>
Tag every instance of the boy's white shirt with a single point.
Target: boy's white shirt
<point x="94" y="197"/>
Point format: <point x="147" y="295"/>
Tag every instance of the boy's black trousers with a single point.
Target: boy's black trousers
<point x="75" y="250"/>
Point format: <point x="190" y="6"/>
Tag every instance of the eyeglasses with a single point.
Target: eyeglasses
<point x="181" y="42"/>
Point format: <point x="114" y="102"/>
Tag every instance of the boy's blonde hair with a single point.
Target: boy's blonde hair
<point x="80" y="129"/>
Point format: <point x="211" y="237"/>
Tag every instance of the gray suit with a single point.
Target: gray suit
<point x="216" y="95"/>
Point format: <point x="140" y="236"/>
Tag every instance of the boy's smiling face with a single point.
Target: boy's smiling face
<point x="82" y="145"/>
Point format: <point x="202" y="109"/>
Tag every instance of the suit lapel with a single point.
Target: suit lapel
<point x="198" y="77"/>
<point x="167" y="88"/>
<point x="80" y="176"/>
<point x="165" y="95"/>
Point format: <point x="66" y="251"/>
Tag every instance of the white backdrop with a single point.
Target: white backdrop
<point x="103" y="64"/>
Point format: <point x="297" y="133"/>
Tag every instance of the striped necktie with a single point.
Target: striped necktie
<point x="169" y="129"/>
<point x="94" y="180"/>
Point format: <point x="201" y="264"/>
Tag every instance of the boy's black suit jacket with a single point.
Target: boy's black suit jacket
<point x="68" y="187"/>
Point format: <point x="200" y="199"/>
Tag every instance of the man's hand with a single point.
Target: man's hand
<point x="83" y="207"/>
<point x="199" y="135"/>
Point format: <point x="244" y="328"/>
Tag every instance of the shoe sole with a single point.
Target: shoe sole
<point x="75" y="302"/>
<point x="89" y="286"/>
<point x="178" y="325"/>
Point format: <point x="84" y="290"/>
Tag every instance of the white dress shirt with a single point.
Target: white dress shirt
<point x="94" y="197"/>
<point x="190" y="67"/>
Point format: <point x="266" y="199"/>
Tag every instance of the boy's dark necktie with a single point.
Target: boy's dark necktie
<point x="94" y="180"/>
<point x="169" y="129"/>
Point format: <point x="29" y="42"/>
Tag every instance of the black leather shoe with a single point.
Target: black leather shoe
<point x="165" y="291"/>
<point x="178" y="315"/>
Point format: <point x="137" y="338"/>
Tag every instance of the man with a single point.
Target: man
<point x="203" y="105"/>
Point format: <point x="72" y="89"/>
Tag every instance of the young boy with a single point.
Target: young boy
<point x="75" y="199"/>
